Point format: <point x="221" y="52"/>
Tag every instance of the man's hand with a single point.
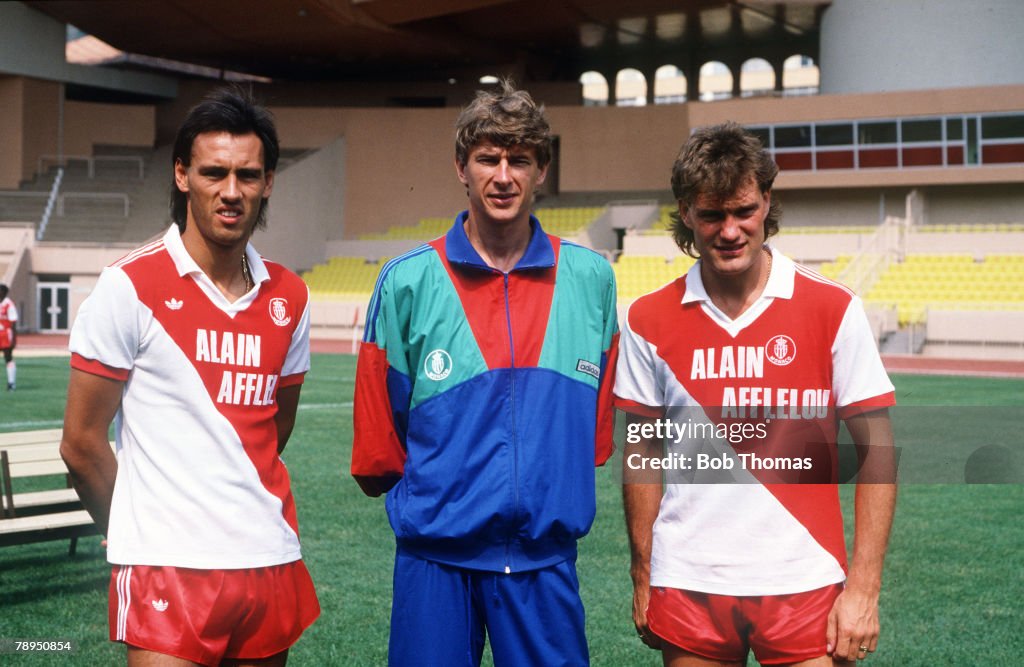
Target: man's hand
<point x="641" y="599"/>
<point x="641" y="498"/>
<point x="853" y="625"/>
<point x="853" y="622"/>
<point x="92" y="403"/>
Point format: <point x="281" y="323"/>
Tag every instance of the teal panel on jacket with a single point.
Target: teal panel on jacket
<point x="578" y="331"/>
<point x="439" y="350"/>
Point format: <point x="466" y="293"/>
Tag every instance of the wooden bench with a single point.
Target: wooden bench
<point x="41" y="515"/>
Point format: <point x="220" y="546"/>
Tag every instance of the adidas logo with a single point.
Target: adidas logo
<point x="161" y="605"/>
<point x="174" y="304"/>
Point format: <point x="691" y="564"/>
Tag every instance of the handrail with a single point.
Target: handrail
<point x="48" y="211"/>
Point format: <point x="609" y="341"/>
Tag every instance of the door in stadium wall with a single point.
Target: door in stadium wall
<point x="53" y="306"/>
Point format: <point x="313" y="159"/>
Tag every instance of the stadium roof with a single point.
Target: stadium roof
<point x="431" y="39"/>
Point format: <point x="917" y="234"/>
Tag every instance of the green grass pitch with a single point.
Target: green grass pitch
<point x="953" y="581"/>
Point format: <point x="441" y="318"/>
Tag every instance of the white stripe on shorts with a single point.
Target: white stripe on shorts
<point x="124" y="600"/>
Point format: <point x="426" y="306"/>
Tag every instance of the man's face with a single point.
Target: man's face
<point x="728" y="233"/>
<point x="225" y="185"/>
<point x="500" y="182"/>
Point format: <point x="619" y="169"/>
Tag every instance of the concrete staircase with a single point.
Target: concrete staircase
<point x="112" y="203"/>
<point x="27" y="203"/>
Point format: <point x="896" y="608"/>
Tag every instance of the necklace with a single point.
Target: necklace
<point x="246" y="273"/>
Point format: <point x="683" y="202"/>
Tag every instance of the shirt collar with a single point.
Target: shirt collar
<point x="539" y="253"/>
<point x="185" y="265"/>
<point x="780" y="280"/>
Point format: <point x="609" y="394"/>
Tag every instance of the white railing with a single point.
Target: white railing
<point x="96" y="196"/>
<point x="90" y="162"/>
<point x="878" y="252"/>
<point x="50" y="201"/>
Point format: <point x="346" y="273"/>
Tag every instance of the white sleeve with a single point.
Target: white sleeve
<point x="636" y="378"/>
<point x="297" y="360"/>
<point x="107" y="328"/>
<point x="858" y="374"/>
<point x="12" y="313"/>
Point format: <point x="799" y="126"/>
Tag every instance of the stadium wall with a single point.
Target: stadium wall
<point x="41" y="100"/>
<point x="87" y="124"/>
<point x="31" y="109"/>
<point x="865" y="44"/>
<point x="400" y="165"/>
<point x="10" y="131"/>
<point x="400" y="159"/>
<point x="306" y="209"/>
<point x="30" y="112"/>
<point x="81" y="262"/>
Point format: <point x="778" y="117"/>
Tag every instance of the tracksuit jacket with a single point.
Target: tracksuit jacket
<point x="489" y="395"/>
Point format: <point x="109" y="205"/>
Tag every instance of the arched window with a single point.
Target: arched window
<point x="756" y="78"/>
<point x="595" y="89"/>
<point x="800" y="76"/>
<point x="630" y="88"/>
<point x="715" y="81"/>
<point x="669" y="85"/>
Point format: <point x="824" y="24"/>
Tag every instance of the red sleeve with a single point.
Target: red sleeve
<point x="604" y="444"/>
<point x="635" y="408"/>
<point x="93" y="367"/>
<point x="378" y="456"/>
<point x="289" y="380"/>
<point x="868" y="405"/>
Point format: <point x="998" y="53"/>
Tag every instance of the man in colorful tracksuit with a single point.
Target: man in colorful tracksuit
<point x="482" y="406"/>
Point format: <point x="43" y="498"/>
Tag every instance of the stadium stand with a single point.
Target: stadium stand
<point x="950" y="282"/>
<point x="343" y="279"/>
<point x="638" y="274"/>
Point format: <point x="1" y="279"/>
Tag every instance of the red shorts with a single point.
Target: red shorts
<point x="209" y="615"/>
<point x="780" y="629"/>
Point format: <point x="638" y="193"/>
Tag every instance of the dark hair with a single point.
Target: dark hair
<point x="231" y="109"/>
<point x="508" y="117"/>
<point x="3" y="290"/>
<point x="717" y="161"/>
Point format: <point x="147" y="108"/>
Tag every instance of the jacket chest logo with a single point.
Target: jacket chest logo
<point x="438" y="365"/>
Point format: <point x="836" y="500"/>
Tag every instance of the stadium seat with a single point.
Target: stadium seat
<point x="950" y="281"/>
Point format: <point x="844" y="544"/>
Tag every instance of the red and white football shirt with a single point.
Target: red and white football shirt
<point x="199" y="481"/>
<point x="8" y="318"/>
<point x="804" y="351"/>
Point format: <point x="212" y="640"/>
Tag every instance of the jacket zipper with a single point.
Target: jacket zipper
<point x="515" y="439"/>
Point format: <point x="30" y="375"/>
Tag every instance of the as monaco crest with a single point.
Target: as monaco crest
<point x="279" y="312"/>
<point x="780" y="350"/>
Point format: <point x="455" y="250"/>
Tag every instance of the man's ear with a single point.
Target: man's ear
<point x="269" y="178"/>
<point x="460" y="169"/>
<point x="683" y="210"/>
<point x="542" y="176"/>
<point x="181" y="175"/>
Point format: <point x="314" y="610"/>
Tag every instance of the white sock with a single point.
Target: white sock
<point x="12" y="372"/>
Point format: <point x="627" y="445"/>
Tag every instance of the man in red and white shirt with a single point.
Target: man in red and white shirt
<point x="199" y="347"/>
<point x="8" y="334"/>
<point x="744" y="367"/>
